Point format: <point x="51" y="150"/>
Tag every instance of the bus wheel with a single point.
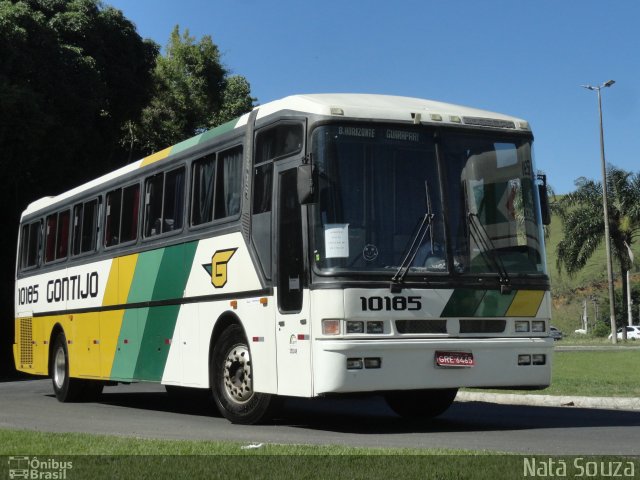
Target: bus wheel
<point x="232" y="381"/>
<point x="67" y="389"/>
<point x="421" y="403"/>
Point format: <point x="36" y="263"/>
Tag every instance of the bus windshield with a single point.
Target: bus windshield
<point x="381" y="191"/>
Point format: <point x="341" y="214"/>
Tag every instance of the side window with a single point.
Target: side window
<point x="290" y="253"/>
<point x="29" y="245"/>
<point x="50" y="238"/>
<point x="62" y="238"/>
<point x="121" y="220"/>
<point x="203" y="189"/>
<point x="164" y="201"/>
<point x="228" y="183"/>
<point x="85" y="222"/>
<point x="56" y="236"/>
<point x="216" y="186"/>
<point x="279" y="141"/>
<point x="129" y="218"/>
<point x="262" y="188"/>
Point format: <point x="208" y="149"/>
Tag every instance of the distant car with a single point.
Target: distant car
<point x="633" y="333"/>
<point x="555" y="333"/>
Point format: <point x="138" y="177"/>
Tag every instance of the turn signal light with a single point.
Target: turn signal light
<point x="330" y="326"/>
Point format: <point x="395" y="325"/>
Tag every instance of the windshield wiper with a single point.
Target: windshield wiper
<point x="426" y="225"/>
<point x="488" y="252"/>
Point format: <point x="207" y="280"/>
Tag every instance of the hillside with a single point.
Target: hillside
<point x="590" y="283"/>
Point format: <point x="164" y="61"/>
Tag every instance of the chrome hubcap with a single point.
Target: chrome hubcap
<point x="237" y="374"/>
<point x="59" y="368"/>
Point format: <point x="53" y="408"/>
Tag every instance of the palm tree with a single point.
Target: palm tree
<point x="583" y="221"/>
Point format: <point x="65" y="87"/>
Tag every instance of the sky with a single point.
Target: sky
<point x="522" y="58"/>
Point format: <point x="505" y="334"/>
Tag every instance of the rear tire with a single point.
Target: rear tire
<point x="67" y="389"/>
<point x="232" y="381"/>
<point x="421" y="403"/>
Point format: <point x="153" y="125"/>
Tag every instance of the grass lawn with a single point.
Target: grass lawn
<point x="97" y="456"/>
<point x="596" y="373"/>
<point x="610" y="373"/>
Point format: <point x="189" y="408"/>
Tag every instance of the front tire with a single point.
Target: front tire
<point x="232" y="381"/>
<point x="421" y="403"/>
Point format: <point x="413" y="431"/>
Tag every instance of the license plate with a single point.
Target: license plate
<point x="455" y="359"/>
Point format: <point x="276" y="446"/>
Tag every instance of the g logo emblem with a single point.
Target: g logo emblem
<point x="218" y="268"/>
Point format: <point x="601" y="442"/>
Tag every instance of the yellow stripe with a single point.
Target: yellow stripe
<point x="110" y="324"/>
<point x="111" y="290"/>
<point x="126" y="267"/>
<point x="526" y="303"/>
<point x="155" y="157"/>
<point x="118" y="286"/>
<point x="83" y="330"/>
<point x="119" y="281"/>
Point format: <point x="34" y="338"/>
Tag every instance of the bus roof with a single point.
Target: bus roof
<point x="372" y="106"/>
<point x="337" y="105"/>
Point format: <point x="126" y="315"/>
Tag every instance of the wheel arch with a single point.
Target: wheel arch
<point x="55" y="331"/>
<point x="225" y="320"/>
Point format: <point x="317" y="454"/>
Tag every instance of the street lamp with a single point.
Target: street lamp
<point x="629" y="316"/>
<point x="612" y="310"/>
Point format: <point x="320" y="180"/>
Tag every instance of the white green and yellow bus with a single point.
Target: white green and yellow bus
<point x="319" y="245"/>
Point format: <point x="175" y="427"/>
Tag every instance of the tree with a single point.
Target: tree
<point x="583" y="221"/>
<point x="236" y="100"/>
<point x="192" y="93"/>
<point x="71" y="73"/>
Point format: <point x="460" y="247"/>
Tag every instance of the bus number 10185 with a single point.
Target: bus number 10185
<point x="395" y="303"/>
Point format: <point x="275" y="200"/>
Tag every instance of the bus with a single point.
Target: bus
<point x="320" y="245"/>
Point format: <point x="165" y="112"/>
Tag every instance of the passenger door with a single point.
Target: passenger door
<point x="293" y="329"/>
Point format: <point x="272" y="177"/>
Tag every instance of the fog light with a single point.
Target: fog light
<point x="330" y="326"/>
<point x="537" y="326"/>
<point x="524" y="359"/>
<point x="355" y="327"/>
<point x="539" y="359"/>
<point x="374" y="362"/>
<point x="375" y="327"/>
<point x="522" y="327"/>
<point x="354" y="364"/>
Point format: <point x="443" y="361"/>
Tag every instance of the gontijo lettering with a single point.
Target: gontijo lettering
<point x="75" y="287"/>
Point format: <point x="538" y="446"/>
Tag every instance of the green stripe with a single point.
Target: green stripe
<point x="463" y="303"/>
<point x="159" y="275"/>
<point x="203" y="137"/>
<point x="160" y="322"/>
<point x="219" y="130"/>
<point x="494" y="304"/>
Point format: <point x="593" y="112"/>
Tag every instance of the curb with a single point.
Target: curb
<point x="605" y="403"/>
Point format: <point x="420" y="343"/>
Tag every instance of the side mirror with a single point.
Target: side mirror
<point x="306" y="184"/>
<point x="543" y="194"/>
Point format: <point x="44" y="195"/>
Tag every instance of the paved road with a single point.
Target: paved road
<point x="144" y="410"/>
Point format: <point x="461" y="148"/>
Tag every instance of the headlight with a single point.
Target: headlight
<point x="355" y="327"/>
<point x="538" y="326"/>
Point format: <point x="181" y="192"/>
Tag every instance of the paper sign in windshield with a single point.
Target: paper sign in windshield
<point x="336" y="240"/>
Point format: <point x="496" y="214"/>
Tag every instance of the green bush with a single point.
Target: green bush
<point x="602" y="329"/>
